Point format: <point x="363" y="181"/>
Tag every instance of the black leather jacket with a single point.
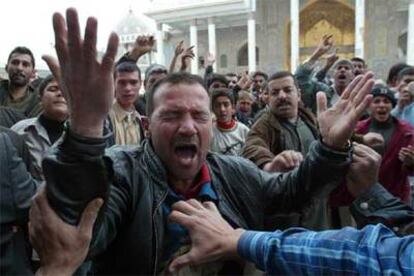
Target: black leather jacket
<point x="17" y="188"/>
<point x="129" y="234"/>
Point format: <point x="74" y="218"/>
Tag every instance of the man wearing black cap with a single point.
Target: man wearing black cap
<point x="398" y="154"/>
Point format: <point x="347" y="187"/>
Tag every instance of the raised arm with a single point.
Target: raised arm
<point x="186" y="58"/>
<point x="143" y="44"/>
<point x="77" y="171"/>
<point x="179" y="49"/>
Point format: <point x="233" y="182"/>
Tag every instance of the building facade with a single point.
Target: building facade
<point x="273" y="35"/>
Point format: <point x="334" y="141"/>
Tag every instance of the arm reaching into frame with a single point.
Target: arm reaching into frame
<point x="294" y="251"/>
<point x="84" y="80"/>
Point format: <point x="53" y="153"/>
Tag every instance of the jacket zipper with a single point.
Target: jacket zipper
<point x="155" y="232"/>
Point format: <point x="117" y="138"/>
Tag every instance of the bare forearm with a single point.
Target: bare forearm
<point x="173" y="64"/>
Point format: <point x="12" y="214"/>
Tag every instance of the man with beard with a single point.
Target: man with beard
<point x="259" y="79"/>
<point x="140" y="185"/>
<point x="244" y="107"/>
<point x="281" y="137"/>
<point x="16" y="93"/>
<point x="286" y="126"/>
<point x="229" y="135"/>
<point x="360" y="67"/>
<point x="44" y="131"/>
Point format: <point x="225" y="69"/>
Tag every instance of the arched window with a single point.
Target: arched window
<point x="223" y="61"/>
<point x="243" y="56"/>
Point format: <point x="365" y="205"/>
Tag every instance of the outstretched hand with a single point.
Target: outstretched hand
<point x="179" y="49"/>
<point x="143" y="44"/>
<point x="86" y="83"/>
<point x="210" y="59"/>
<point x="325" y="44"/>
<point x="186" y="58"/>
<point x="337" y="123"/>
<point x="212" y="238"/>
<point x="245" y="81"/>
<point x="62" y="247"/>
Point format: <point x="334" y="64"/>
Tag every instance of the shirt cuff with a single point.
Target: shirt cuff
<point x="332" y="154"/>
<point x="251" y="246"/>
<point x="82" y="145"/>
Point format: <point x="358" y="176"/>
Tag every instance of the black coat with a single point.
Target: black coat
<point x="16" y="190"/>
<point x="129" y="234"/>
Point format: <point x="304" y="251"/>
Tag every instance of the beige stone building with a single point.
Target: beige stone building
<point x="271" y="35"/>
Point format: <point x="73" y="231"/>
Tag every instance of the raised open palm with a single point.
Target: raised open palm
<point x="337" y="123"/>
<point x="86" y="83"/>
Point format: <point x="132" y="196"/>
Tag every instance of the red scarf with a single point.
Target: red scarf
<point x="226" y="125"/>
<point x="202" y="178"/>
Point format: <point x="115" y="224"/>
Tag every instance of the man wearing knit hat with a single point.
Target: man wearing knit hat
<point x="398" y="154"/>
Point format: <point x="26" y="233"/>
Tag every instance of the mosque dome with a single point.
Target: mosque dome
<point x="135" y="24"/>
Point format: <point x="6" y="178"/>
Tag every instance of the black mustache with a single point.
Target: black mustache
<point x="18" y="74"/>
<point x="185" y="141"/>
<point x="283" y="102"/>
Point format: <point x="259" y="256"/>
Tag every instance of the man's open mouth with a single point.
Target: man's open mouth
<point x="382" y="113"/>
<point x="185" y="151"/>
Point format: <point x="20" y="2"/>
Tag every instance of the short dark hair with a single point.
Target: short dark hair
<point x="409" y="70"/>
<point x="42" y="86"/>
<point x="221" y="92"/>
<point x="358" y="59"/>
<point x="218" y="78"/>
<point x="282" y="74"/>
<point x="231" y="74"/>
<point x="343" y="61"/>
<point x="127" y="67"/>
<point x="394" y="70"/>
<point x="260" y="73"/>
<point x="174" y="79"/>
<point x="24" y="51"/>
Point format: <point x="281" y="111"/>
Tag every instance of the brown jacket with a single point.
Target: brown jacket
<point x="265" y="138"/>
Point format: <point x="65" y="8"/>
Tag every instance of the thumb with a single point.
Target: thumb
<point x="321" y="103"/>
<point x="89" y="216"/>
<point x="180" y="262"/>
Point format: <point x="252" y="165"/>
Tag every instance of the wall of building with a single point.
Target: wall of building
<point x="384" y="24"/>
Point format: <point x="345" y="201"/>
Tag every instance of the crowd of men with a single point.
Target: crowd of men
<point x="186" y="176"/>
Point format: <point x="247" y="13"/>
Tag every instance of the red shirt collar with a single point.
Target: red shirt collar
<point x="202" y="179"/>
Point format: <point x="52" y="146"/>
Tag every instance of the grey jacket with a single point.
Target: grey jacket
<point x="37" y="141"/>
<point x="129" y="234"/>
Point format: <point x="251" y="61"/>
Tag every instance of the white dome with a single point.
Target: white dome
<point x="135" y="24"/>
